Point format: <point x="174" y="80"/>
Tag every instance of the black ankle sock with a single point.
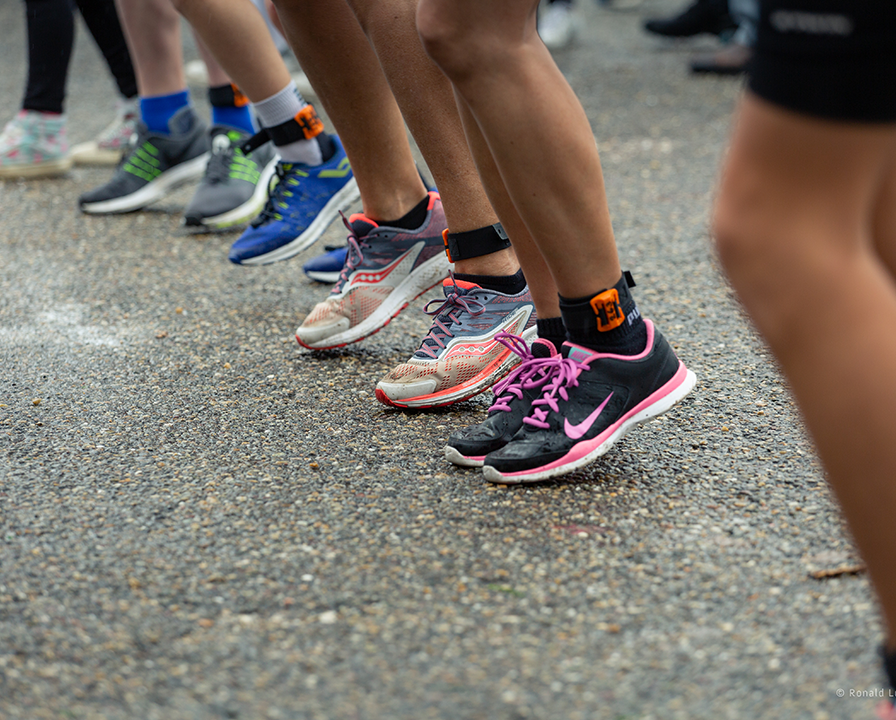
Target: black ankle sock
<point x="412" y="219"/>
<point x="326" y="145"/>
<point x="889" y="665"/>
<point x="506" y="284"/>
<point x="552" y="329"/>
<point x="606" y="326"/>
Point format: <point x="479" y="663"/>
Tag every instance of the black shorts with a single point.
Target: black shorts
<point x="833" y="59"/>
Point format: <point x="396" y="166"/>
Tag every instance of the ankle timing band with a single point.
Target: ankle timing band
<point x="475" y="243"/>
<point x="227" y="96"/>
<point x="306" y="125"/>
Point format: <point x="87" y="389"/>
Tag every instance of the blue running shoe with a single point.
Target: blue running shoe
<point x="326" y="268"/>
<point x="301" y="206"/>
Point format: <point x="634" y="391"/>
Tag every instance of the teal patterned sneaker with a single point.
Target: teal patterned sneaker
<point x="235" y="185"/>
<point x="107" y="148"/>
<point x="33" y="144"/>
<point x="154" y="165"/>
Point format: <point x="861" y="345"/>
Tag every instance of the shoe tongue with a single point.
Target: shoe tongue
<point x="361" y="224"/>
<point x="577" y="352"/>
<point x="461" y="287"/>
<point x="542" y="348"/>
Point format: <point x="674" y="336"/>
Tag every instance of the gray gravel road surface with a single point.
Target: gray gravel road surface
<point x="199" y="519"/>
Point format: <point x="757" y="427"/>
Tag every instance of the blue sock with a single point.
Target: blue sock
<point x="230" y="107"/>
<point x="237" y="117"/>
<point x="158" y="110"/>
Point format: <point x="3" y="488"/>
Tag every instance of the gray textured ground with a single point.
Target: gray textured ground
<point x="200" y="520"/>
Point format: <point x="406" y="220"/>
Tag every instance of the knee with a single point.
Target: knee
<point x="445" y="36"/>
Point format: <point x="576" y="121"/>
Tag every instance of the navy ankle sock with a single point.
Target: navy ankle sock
<point x="608" y="321"/>
<point x="412" y="219"/>
<point x="505" y="284"/>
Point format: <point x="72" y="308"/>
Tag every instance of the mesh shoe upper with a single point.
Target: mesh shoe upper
<point x="302" y="203"/>
<point x="385" y="268"/>
<point x="460" y="356"/>
<point x="230" y="178"/>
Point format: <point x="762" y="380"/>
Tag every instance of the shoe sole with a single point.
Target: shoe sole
<point x="323" y="277"/>
<point x="341" y="201"/>
<point x="501" y="365"/>
<point x="89" y="153"/>
<point x="454" y="456"/>
<point x="152" y="191"/>
<point x="427" y="276"/>
<point x="242" y="214"/>
<point x="660" y="401"/>
<point x="37" y="170"/>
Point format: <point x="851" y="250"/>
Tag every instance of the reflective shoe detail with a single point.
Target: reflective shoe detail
<point x="108" y="147"/>
<point x="460" y="356"/>
<point x="235" y="186"/>
<point x="326" y="268"/>
<point x="301" y="206"/>
<point x="33" y="144"/>
<point x="385" y="269"/>
<point x="592" y="401"/>
<point x="513" y="400"/>
<point x="154" y="165"/>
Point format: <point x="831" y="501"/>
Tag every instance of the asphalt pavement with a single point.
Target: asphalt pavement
<point x="200" y="519"/>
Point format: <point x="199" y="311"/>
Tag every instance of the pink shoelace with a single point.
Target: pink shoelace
<point x="532" y="372"/>
<point x="567" y="376"/>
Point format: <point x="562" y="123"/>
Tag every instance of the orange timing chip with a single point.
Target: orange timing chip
<point x="606" y="308"/>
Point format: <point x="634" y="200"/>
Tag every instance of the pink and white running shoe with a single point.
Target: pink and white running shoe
<point x="385" y="269"/>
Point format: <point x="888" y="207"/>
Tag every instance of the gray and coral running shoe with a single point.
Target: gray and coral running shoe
<point x="234" y="188"/>
<point x="460" y="356"/>
<point x="591" y="402"/>
<point x="514" y="396"/>
<point x="153" y="166"/>
<point x="385" y="269"/>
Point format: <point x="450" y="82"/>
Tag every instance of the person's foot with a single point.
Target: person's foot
<point x="33" y="144"/>
<point x="732" y="60"/>
<point x="300" y="208"/>
<point x="234" y="187"/>
<point x="107" y="148"/>
<point x="593" y="400"/>
<point x="325" y="268"/>
<point x="513" y="400"/>
<point x="153" y="165"/>
<point x="385" y="269"/>
<point x="556" y="26"/>
<point x="460" y="357"/>
<point x="703" y="16"/>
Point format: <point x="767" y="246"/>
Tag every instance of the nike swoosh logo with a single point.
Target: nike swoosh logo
<point x="574" y="432"/>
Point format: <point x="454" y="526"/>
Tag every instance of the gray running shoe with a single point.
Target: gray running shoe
<point x="235" y="186"/>
<point x="152" y="166"/>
